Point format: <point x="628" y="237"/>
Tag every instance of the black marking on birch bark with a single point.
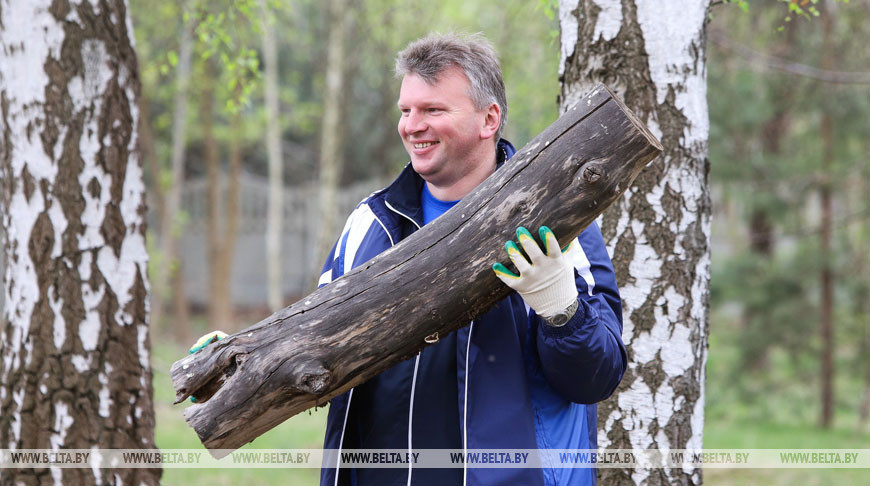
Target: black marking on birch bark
<point x="130" y="421"/>
<point x="623" y="62"/>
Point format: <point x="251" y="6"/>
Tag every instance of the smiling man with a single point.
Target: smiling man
<point x="525" y="375"/>
<point x="451" y="142"/>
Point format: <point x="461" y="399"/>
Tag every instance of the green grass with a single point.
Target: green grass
<point x="746" y="435"/>
<point x="776" y="408"/>
<point x="304" y="431"/>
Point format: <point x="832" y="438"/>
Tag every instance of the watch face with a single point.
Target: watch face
<point x="563" y="317"/>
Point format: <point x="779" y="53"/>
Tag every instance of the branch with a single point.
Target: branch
<point x="767" y="62"/>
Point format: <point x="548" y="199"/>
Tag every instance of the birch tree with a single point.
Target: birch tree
<point x="652" y="53"/>
<point x="331" y="129"/>
<point x="169" y="221"/>
<point x="74" y="338"/>
<point x="275" y="210"/>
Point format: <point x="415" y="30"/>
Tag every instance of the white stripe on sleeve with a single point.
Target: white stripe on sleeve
<point x="325" y="278"/>
<point x="581" y="263"/>
<point x="361" y="220"/>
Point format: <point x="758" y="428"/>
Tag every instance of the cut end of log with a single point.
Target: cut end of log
<point x="190" y="378"/>
<point x="641" y="126"/>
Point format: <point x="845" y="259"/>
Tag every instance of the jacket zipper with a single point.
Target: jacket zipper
<point x="401" y="213"/>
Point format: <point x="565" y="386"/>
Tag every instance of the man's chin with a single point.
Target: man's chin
<point x="425" y="168"/>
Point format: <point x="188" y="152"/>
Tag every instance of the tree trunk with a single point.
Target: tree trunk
<point x="349" y="331"/>
<point x="75" y="370"/>
<point x="826" y="276"/>
<point x="859" y="236"/>
<point x="331" y="132"/>
<point x="275" y="211"/>
<point x="224" y="267"/>
<point x="180" y="306"/>
<point x="153" y="192"/>
<point x="216" y="308"/>
<point x="653" y="53"/>
<point x="169" y="230"/>
<point x="864" y="352"/>
<point x="222" y="207"/>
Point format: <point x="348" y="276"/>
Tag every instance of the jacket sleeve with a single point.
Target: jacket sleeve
<point x="334" y="265"/>
<point x="330" y="269"/>
<point x="584" y="360"/>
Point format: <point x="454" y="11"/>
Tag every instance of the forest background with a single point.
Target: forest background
<point x="790" y="179"/>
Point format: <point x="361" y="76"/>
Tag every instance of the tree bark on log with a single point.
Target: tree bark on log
<point x="432" y="283"/>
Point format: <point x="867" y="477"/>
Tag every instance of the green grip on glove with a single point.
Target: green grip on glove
<point x="513" y="250"/>
<point x="546" y="276"/>
<point x="207" y="339"/>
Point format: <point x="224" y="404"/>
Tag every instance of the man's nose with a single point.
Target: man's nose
<point x="415" y="122"/>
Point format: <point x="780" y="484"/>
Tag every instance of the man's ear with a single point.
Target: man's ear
<point x="491" y="122"/>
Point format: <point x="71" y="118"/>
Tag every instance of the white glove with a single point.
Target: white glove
<point x="547" y="283"/>
<point x="204" y="341"/>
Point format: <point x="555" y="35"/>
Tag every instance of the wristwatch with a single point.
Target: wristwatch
<point x="563" y="317"/>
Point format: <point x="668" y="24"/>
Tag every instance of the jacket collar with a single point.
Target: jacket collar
<point x="403" y="195"/>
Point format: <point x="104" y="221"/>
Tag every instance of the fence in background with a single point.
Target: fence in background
<point x="299" y="258"/>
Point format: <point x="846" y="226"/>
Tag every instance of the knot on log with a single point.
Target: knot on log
<point x="314" y="383"/>
<point x="592" y="172"/>
<point x="311" y="378"/>
<point x="520" y="208"/>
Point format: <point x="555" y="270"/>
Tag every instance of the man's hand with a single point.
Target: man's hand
<point x="204" y="341"/>
<point x="207" y="339"/>
<point x="547" y="282"/>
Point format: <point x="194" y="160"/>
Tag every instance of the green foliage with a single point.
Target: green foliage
<point x="227" y="35"/>
<point x="549" y="8"/>
<point x="743" y="4"/>
<point x="801" y="8"/>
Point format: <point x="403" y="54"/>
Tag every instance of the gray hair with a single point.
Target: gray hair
<point x="432" y="55"/>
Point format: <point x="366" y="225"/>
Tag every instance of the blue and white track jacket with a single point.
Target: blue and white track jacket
<point x="522" y="384"/>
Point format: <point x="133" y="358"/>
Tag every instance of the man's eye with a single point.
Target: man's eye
<point x="434" y="110"/>
<point x="405" y="112"/>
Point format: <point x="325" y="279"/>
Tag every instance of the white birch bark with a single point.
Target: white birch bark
<point x="652" y="53"/>
<point x="74" y="343"/>
<point x="275" y="210"/>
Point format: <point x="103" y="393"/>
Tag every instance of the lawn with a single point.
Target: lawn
<point x="304" y="431"/>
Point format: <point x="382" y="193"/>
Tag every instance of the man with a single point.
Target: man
<point x="527" y="374"/>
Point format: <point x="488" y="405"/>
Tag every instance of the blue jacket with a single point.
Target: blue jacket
<point x="521" y="383"/>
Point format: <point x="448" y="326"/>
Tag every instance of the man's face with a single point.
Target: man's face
<point x="442" y="130"/>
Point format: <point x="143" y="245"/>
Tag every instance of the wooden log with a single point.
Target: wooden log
<point x="432" y="283"/>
